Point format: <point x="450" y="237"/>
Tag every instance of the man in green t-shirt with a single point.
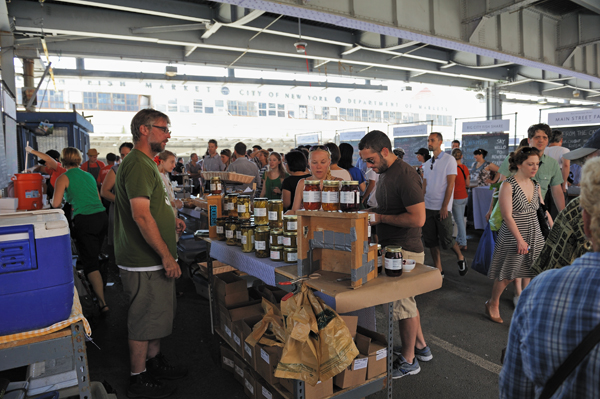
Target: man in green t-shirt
<point x="146" y="251"/>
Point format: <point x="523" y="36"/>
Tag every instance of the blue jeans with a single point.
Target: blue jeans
<point x="458" y="210"/>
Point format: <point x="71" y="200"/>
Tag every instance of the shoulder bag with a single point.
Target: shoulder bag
<point x="542" y="219"/>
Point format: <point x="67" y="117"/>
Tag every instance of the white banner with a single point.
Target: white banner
<point x="574" y="117"/>
<point x="307" y="139"/>
<point x="497" y="125"/>
<point x="352" y="136"/>
<point x="418" y="130"/>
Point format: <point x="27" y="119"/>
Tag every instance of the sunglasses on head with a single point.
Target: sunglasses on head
<point x="318" y="147"/>
<point x="527" y="150"/>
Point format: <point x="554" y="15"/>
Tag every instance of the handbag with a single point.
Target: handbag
<point x="485" y="250"/>
<point x="572" y="361"/>
<point x="543" y="220"/>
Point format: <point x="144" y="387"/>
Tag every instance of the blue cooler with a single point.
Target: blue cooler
<point x="36" y="270"/>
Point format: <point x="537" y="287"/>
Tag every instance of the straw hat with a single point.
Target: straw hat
<point x="92" y="152"/>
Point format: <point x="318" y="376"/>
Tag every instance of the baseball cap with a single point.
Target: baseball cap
<point x="422" y="151"/>
<point x="590" y="146"/>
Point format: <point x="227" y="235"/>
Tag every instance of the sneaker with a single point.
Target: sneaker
<point x="145" y="386"/>
<point x="424" y="355"/>
<point x="159" y="367"/>
<point x="402" y="368"/>
<point x="463" y="268"/>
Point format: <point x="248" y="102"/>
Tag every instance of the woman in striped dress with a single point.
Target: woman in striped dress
<point x="520" y="239"/>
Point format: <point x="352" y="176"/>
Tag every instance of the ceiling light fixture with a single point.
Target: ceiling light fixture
<point x="543" y="100"/>
<point x="171" y="71"/>
<point x="576" y="93"/>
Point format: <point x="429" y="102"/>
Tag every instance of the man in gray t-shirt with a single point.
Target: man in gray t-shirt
<point x="243" y="166"/>
<point x="399" y="216"/>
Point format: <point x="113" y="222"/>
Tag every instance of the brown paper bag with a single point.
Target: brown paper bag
<point x="269" y="331"/>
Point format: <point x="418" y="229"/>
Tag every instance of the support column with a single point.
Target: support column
<point x="493" y="104"/>
<point x="28" y="83"/>
<point x="7" y="43"/>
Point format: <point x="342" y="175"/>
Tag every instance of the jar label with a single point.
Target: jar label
<point x="241" y="208"/>
<point x="292" y="256"/>
<point x="244" y="239"/>
<point x="330" y="197"/>
<point x="279" y="240"/>
<point x="292" y="226"/>
<point x="238" y="234"/>
<point x="287" y="241"/>
<point x="260" y="245"/>
<point x="348" y="197"/>
<point x="369" y="231"/>
<point x="311" y="196"/>
<point x="219" y="229"/>
<point x="273" y="215"/>
<point x="379" y="261"/>
<point x="260" y="212"/>
<point x="393" y="264"/>
<point x="229" y="234"/>
<point x="229" y="206"/>
<point x="275" y="255"/>
<point x="213" y="187"/>
<point x="271" y="240"/>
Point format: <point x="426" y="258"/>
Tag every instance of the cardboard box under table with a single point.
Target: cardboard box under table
<point x="336" y="242"/>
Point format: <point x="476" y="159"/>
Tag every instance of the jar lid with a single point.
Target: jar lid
<point x="331" y="183"/>
<point x="276" y="247"/>
<point x="350" y="183"/>
<point x="260" y="199"/>
<point x="312" y="182"/>
<point x="243" y="196"/>
<point x="275" y="201"/>
<point x="247" y="225"/>
<point x="215" y="178"/>
<point x="262" y="229"/>
<point x="290" y="249"/>
<point x="290" y="217"/>
<point x="232" y="195"/>
<point x="393" y="248"/>
<point x="276" y="231"/>
<point x="262" y="224"/>
<point x="290" y="233"/>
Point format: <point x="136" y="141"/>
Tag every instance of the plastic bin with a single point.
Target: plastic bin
<point x="36" y="271"/>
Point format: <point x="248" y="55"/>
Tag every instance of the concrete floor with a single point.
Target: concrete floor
<point x="466" y="346"/>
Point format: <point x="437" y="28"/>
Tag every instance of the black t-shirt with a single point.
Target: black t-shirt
<point x="290" y="183"/>
<point x="397" y="188"/>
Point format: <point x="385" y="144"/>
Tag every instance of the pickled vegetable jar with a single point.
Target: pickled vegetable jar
<point x="290" y="239"/>
<point x="231" y="205"/>
<point x="311" y="197"/>
<point x="350" y="196"/>
<point x="275" y="209"/>
<point x="238" y="233"/>
<point x="277" y="253"/>
<point x="276" y="237"/>
<point x="261" y="242"/>
<point x="247" y="237"/>
<point x="215" y="185"/>
<point x="290" y="223"/>
<point x="243" y="206"/>
<point x="393" y="261"/>
<point x="221" y="226"/>
<point x="230" y="231"/>
<point x="260" y="211"/>
<point x="330" y="197"/>
<point x="290" y="255"/>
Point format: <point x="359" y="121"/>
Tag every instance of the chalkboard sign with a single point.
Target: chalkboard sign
<point x="496" y="144"/>
<point x="410" y="145"/>
<point x="576" y="136"/>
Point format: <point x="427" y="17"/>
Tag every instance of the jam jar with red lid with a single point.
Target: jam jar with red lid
<point x="393" y="261"/>
<point x="350" y="196"/>
<point x="311" y="197"/>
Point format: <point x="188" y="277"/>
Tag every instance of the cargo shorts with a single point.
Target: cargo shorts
<point x="437" y="231"/>
<point x="407" y="308"/>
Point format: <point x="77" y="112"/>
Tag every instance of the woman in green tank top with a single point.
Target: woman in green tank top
<point x="272" y="178"/>
<point x="90" y="221"/>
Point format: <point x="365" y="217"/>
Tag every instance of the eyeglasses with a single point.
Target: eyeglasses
<point x="163" y="128"/>
<point x="432" y="162"/>
<point x="318" y="147"/>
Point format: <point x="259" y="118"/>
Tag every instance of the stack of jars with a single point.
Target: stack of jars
<point x="334" y="197"/>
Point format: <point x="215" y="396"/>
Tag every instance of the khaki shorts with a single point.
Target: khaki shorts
<point x="437" y="231"/>
<point x="407" y="308"/>
<point x="152" y="304"/>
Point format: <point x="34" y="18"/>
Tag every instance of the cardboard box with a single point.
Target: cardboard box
<point x="351" y="323"/>
<point x="355" y="374"/>
<point x="267" y="359"/>
<point x="230" y="289"/>
<point x="250" y="383"/>
<point x="218" y="268"/>
<point x="248" y="350"/>
<point x="230" y="316"/>
<point x="373" y="345"/>
<point x="287" y="383"/>
<point x="238" y="370"/>
<point x="323" y="389"/>
<point x="266" y="391"/>
<point x="236" y="335"/>
<point x="227" y="358"/>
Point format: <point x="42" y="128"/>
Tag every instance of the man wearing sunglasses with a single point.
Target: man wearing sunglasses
<point x="439" y="176"/>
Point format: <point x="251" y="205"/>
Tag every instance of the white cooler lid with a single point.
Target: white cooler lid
<point x="47" y="223"/>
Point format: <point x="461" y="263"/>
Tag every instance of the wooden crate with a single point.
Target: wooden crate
<point x="336" y="242"/>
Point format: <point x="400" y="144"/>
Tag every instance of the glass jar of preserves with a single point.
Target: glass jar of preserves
<point x="330" y="197"/>
<point x="311" y="197"/>
<point x="290" y="223"/>
<point x="290" y="255"/>
<point x="215" y="185"/>
<point x="230" y="231"/>
<point x="393" y="261"/>
<point x="261" y="242"/>
<point x="238" y="233"/>
<point x="243" y="206"/>
<point x="231" y="205"/>
<point x="260" y="211"/>
<point x="289" y="239"/>
<point x="221" y="226"/>
<point x="276" y="237"/>
<point x="277" y="253"/>
<point x="275" y="209"/>
<point x="379" y="259"/>
<point x="247" y="237"/>
<point x="350" y="196"/>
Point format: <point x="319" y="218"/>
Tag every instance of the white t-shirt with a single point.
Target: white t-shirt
<point x="557" y="153"/>
<point x="342" y="174"/>
<point x="444" y="165"/>
<point x="371" y="175"/>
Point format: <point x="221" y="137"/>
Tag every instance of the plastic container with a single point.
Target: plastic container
<point x="36" y="270"/>
<point x="28" y="189"/>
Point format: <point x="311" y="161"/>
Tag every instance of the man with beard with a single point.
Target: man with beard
<point x="399" y="216"/>
<point x="145" y="251"/>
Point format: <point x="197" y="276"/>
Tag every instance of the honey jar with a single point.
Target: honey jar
<point x="215" y="185"/>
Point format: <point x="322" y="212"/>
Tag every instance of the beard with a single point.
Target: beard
<point x="157" y="147"/>
<point x="383" y="166"/>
